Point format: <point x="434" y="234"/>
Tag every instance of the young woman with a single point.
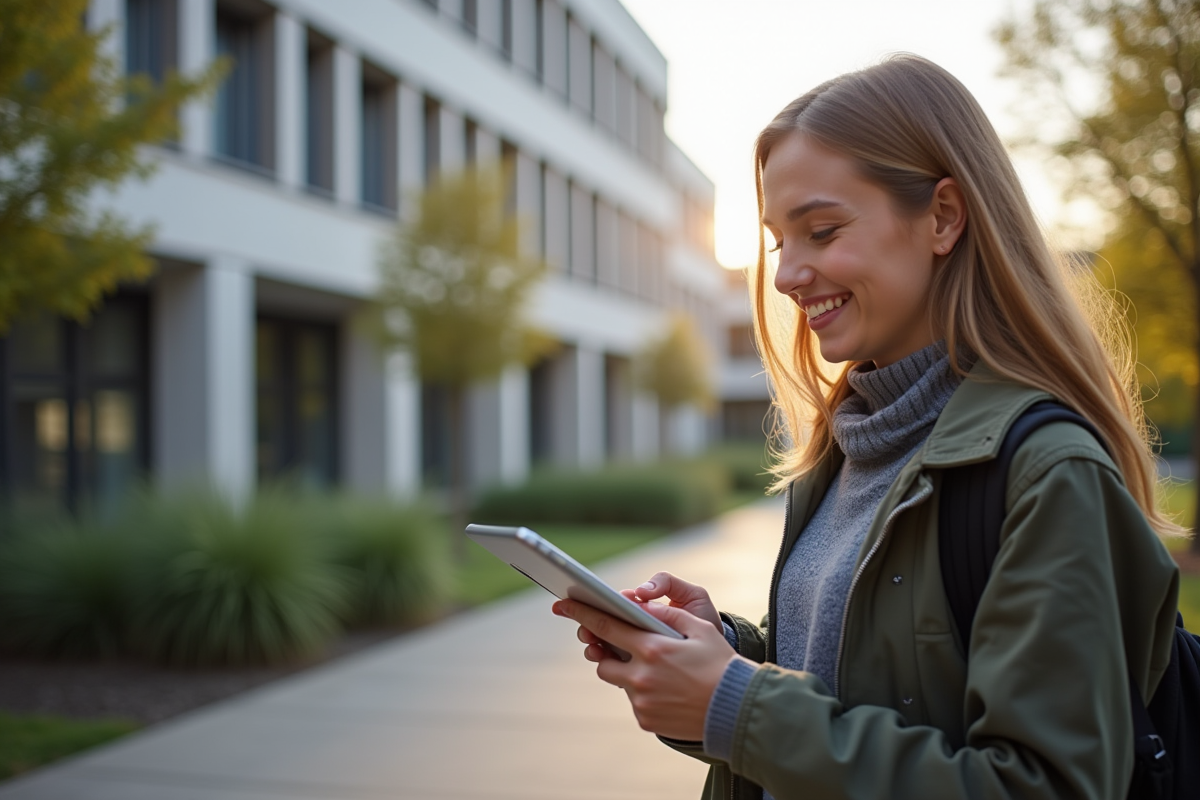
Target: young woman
<point x="908" y="253"/>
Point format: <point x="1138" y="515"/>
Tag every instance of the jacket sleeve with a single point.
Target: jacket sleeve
<point x="751" y="638"/>
<point x="1046" y="700"/>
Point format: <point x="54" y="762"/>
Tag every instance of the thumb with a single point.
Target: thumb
<point x="683" y="621"/>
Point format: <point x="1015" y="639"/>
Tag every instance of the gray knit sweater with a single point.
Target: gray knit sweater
<point x="879" y="428"/>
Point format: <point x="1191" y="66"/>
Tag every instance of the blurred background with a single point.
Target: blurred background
<point x="289" y="289"/>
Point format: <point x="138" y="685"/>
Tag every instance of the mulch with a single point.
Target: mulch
<point x="140" y="691"/>
<point x="1188" y="561"/>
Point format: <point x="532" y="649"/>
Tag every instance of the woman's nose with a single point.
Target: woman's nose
<point x="790" y="277"/>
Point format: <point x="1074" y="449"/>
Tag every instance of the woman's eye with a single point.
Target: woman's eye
<point x="823" y="234"/>
<point x="778" y="246"/>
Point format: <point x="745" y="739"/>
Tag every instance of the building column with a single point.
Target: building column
<point x="347" y="127"/>
<point x="487" y="148"/>
<point x="380" y="421"/>
<point x="454" y="141"/>
<point x="197" y="48"/>
<point x="410" y="134"/>
<point x="499" y="426"/>
<point x="290" y="124"/>
<point x="529" y="204"/>
<point x="204" y="399"/>
<point x="645" y="427"/>
<point x="590" y="411"/>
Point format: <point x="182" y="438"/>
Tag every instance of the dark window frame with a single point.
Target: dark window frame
<point x="289" y="389"/>
<point x="77" y="384"/>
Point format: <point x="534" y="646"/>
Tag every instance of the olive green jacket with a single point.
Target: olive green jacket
<point x="1081" y="587"/>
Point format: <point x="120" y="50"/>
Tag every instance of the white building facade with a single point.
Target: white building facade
<point x="243" y="359"/>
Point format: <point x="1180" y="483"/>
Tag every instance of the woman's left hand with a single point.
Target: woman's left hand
<point x="669" y="681"/>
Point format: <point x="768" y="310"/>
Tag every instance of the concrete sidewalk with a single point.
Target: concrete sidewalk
<point x="495" y="703"/>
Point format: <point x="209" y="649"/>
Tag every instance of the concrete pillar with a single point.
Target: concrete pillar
<point x="490" y="24"/>
<point x="487" y="148"/>
<point x="524" y="35"/>
<point x="453" y="145"/>
<point x="686" y="431"/>
<point x="204" y="395"/>
<point x="589" y="408"/>
<point x="290" y="122"/>
<point x="410" y="134"/>
<point x="380" y="421"/>
<point x="347" y="126"/>
<point x="499" y="425"/>
<point x="197" y="47"/>
<point x="645" y="427"/>
<point x="109" y="12"/>
<point x="529" y="203"/>
<point x="452" y="8"/>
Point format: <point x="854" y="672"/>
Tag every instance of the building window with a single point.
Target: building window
<point x="318" y="113"/>
<point x="541" y="411"/>
<point x="433" y="140"/>
<point x="379" y="150"/>
<point x="75" y="422"/>
<point x="296" y="381"/>
<point x="470" y="142"/>
<point x="151" y="37"/>
<point x="244" y="115"/>
<point x="746" y="420"/>
<point x="435" y="435"/>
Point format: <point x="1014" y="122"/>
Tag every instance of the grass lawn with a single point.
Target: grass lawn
<point x="484" y="577"/>
<point x="30" y="741"/>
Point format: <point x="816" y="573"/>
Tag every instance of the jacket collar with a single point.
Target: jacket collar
<point x="971" y="427"/>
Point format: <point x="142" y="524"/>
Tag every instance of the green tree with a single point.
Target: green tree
<point x="1113" y="90"/>
<point x="71" y="123"/>
<point x="454" y="283"/>
<point x="677" y="369"/>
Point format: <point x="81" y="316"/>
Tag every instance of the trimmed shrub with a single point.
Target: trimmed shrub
<point x="396" y="559"/>
<point x="225" y="587"/>
<point x="63" y="591"/>
<point x="673" y="494"/>
<point x="746" y="464"/>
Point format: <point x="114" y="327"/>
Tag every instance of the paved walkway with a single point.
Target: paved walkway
<point x="495" y="703"/>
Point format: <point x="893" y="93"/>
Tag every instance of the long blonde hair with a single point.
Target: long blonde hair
<point x="1002" y="293"/>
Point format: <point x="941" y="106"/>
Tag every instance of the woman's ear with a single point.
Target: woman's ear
<point x="948" y="208"/>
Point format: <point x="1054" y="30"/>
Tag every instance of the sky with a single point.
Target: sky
<point x="733" y="64"/>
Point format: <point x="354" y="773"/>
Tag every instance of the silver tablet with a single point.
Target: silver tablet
<point x="561" y="575"/>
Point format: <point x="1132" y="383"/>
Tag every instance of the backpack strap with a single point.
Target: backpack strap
<point x="971" y="512"/>
<point x="970" y="515"/>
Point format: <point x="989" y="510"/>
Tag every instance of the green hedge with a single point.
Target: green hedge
<point x="193" y="580"/>
<point x="672" y="494"/>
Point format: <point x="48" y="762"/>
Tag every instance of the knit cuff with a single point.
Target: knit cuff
<point x="721" y="719"/>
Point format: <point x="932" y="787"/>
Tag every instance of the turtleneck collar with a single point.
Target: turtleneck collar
<point x="893" y="408"/>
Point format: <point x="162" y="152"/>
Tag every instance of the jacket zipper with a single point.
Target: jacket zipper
<point x="916" y="499"/>
<point x="787" y="522"/>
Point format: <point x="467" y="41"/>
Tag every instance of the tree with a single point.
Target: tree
<point x="70" y="123"/>
<point x="453" y="286"/>
<point x="1119" y="81"/>
<point x="677" y="369"/>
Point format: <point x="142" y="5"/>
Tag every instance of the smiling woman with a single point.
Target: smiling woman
<point x="905" y="239"/>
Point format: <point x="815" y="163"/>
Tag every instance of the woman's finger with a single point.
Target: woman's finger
<point x="677" y="590"/>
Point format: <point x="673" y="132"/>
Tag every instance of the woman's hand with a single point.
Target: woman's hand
<point x="681" y="594"/>
<point x="669" y="681"/>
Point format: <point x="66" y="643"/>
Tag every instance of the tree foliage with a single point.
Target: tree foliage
<point x="677" y="368"/>
<point x="70" y="123"/>
<point x="454" y="282"/>
<point x="1112" y="89"/>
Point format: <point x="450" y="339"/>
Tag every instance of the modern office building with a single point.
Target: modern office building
<point x="242" y="360"/>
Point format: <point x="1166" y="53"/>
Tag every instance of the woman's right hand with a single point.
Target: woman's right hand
<point x="681" y="594"/>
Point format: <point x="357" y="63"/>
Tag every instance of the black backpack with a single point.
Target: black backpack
<point x="970" y="514"/>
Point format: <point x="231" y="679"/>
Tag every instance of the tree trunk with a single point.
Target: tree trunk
<point x="458" y="471"/>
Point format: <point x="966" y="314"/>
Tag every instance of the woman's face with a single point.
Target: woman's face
<point x="860" y="272"/>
